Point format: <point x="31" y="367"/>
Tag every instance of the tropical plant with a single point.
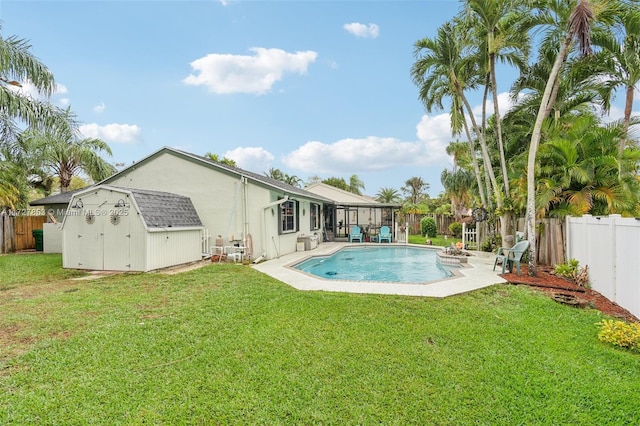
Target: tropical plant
<point x="355" y="185"/>
<point x="64" y="153"/>
<point x="336" y="182"/>
<point x="415" y="188"/>
<point x="458" y="186"/>
<point x="620" y="58"/>
<point x="576" y="26"/>
<point x="224" y="160"/>
<point x="388" y="195"/>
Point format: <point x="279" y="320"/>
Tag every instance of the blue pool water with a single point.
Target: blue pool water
<point x="400" y="264"/>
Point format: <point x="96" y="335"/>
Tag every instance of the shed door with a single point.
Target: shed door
<point x="117" y="241"/>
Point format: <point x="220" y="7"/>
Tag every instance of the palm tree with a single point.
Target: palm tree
<point x="460" y="153"/>
<point x="445" y="68"/>
<point x="621" y="59"/>
<point x="63" y="153"/>
<point x="275" y="174"/>
<point x="495" y="24"/>
<point x="457" y="186"/>
<point x="355" y="184"/>
<point x="442" y="72"/>
<point x="581" y="171"/>
<point x="388" y="195"/>
<point x="415" y="187"/>
<point x="224" y="160"/>
<point x="576" y="27"/>
<point x="18" y="65"/>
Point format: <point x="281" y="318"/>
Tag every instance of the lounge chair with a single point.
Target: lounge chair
<point x="511" y="256"/>
<point x="385" y="234"/>
<point x="355" y="234"/>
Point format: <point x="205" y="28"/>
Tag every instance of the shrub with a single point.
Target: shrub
<point x="428" y="227"/>
<point x="620" y="333"/>
<point x="574" y="272"/>
<point x="456" y="229"/>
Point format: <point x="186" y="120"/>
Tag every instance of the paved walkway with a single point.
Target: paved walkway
<point x="478" y="274"/>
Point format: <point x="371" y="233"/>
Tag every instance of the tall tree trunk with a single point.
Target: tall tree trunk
<point x="628" y="105"/>
<point x="543" y="112"/>
<point x="474" y="160"/>
<point x="485" y="151"/>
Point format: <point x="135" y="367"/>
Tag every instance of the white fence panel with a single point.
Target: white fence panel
<point x="610" y="247"/>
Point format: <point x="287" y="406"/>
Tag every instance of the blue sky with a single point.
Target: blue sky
<point x="313" y="88"/>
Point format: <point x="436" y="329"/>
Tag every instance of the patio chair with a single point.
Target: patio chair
<point x="355" y="234"/>
<point x="511" y="256"/>
<point x="218" y="251"/>
<point x="385" y="234"/>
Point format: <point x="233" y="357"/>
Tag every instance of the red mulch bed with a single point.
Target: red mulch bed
<point x="562" y="289"/>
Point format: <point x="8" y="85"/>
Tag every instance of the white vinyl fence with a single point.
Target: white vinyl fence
<point x="610" y="247"/>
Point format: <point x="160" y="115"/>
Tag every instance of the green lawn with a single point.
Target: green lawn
<point x="225" y="344"/>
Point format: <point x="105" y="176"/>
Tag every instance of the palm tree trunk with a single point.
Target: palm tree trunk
<point x="543" y="112"/>
<point x="474" y="160"/>
<point x="496" y="113"/>
<point x="628" y="105"/>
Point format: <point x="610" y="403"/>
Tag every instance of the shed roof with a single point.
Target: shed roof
<point x="158" y="209"/>
<point x="165" y="210"/>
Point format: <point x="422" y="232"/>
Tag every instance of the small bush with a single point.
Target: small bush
<point x="620" y="333"/>
<point x="574" y="272"/>
<point x="456" y="229"/>
<point x="428" y="227"/>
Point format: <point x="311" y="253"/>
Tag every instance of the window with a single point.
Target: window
<point x="288" y="217"/>
<point x="315" y="216"/>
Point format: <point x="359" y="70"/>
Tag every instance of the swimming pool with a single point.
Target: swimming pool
<point x="399" y="264"/>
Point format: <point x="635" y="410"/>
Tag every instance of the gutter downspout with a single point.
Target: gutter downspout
<point x="264" y="224"/>
<point x="245" y="209"/>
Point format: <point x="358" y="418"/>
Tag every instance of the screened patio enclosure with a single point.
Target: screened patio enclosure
<point x="339" y="218"/>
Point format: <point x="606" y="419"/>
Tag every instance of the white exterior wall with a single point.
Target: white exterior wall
<point x="220" y="201"/>
<point x="610" y="247"/>
<point x="52" y="234"/>
<point x="217" y="197"/>
<point x="175" y="247"/>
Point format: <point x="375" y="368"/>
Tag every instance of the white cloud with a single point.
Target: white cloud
<point x="226" y="73"/>
<point x="60" y="89"/>
<point x="351" y="155"/>
<point x="26" y="88"/>
<point x="362" y="30"/>
<point x="100" y="108"/>
<point x="118" y="133"/>
<point x="255" y="159"/>
<point x="64" y="101"/>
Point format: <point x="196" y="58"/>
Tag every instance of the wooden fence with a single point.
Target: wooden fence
<point x="550" y="237"/>
<point x="16" y="232"/>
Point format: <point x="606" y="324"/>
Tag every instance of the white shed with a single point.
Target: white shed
<point x="112" y="228"/>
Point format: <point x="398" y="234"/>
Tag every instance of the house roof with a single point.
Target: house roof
<point x="346" y="198"/>
<point x="339" y="195"/>
<point x="158" y="209"/>
<point x="62" y="198"/>
<point x="257" y="178"/>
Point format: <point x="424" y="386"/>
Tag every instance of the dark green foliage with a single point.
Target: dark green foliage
<point x="428" y="227"/>
<point x="456" y="229"/>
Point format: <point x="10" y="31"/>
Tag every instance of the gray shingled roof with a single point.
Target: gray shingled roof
<point x="165" y="210"/>
<point x="62" y="198"/>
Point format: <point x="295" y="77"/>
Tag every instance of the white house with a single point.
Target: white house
<point x="121" y="229"/>
<point x="247" y="209"/>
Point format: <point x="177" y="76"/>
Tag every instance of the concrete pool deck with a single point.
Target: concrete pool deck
<point x="478" y="274"/>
